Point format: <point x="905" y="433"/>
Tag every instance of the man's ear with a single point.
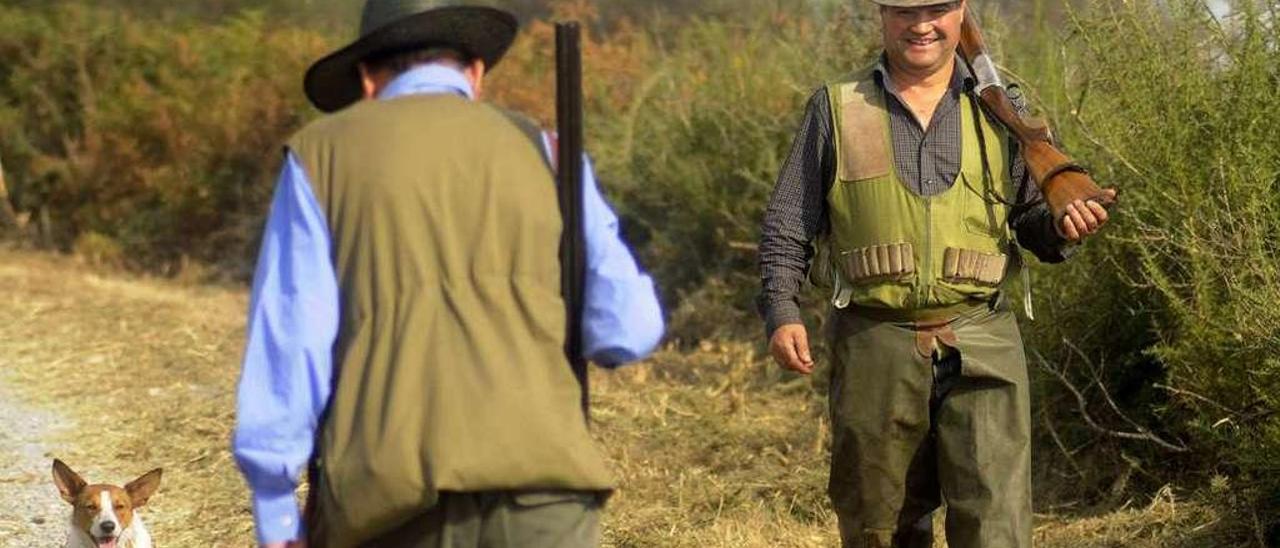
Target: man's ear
<point x="368" y="84"/>
<point x="475" y="72"/>
<point x="141" y="489"/>
<point x="69" y="483"/>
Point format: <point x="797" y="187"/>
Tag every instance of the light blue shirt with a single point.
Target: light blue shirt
<point x="294" y="313"/>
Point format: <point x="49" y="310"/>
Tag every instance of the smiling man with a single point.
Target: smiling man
<point x="911" y="207"/>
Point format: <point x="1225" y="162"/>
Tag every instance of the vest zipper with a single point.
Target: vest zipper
<point x="926" y="275"/>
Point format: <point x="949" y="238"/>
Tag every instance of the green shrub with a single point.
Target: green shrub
<point x="1177" y="306"/>
<point x="160" y="136"/>
<point x="694" y="158"/>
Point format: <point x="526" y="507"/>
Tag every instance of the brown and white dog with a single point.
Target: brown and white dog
<point x="105" y="516"/>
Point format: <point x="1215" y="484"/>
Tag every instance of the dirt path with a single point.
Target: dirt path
<point x="116" y="376"/>
<point x="32" y="515"/>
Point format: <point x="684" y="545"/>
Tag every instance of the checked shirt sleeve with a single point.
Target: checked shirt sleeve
<point x="796" y="215"/>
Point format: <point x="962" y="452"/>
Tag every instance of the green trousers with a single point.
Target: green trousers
<point x="922" y="415"/>
<point x="503" y="520"/>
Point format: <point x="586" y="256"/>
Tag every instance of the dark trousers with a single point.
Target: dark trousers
<point x="916" y="422"/>
<point x="503" y="520"/>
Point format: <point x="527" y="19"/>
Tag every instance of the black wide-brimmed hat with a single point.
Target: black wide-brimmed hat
<point x="388" y="26"/>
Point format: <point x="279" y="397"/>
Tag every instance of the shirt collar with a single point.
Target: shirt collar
<point x="962" y="79"/>
<point x="434" y="78"/>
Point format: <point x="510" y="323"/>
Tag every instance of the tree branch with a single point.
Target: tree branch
<point x="1082" y="403"/>
<point x="1096" y="373"/>
<point x="1071" y="459"/>
<point x="1196" y="396"/>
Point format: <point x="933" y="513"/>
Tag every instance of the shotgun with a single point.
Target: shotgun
<point x="573" y="256"/>
<point x="1061" y="179"/>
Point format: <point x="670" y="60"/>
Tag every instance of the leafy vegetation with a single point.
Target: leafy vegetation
<point x="1175" y="310"/>
<point x="157" y="136"/>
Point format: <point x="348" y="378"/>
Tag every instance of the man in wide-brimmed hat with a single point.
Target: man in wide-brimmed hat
<point x="908" y="206"/>
<point x="406" y="337"/>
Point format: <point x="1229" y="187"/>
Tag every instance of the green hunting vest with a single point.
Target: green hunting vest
<point x="891" y="249"/>
<point x="450" y="372"/>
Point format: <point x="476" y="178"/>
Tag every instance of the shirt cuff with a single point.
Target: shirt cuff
<point x="780" y="313"/>
<point x="622" y="321"/>
<point x="277" y="517"/>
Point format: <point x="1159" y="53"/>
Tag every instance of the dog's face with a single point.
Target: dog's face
<point x="103" y="512"/>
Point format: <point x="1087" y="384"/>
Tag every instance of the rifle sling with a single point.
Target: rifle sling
<point x="1063" y="168"/>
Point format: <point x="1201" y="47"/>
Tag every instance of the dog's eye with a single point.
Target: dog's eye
<point x="119" y="506"/>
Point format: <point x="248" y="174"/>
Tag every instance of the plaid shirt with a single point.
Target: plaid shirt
<point x="928" y="162"/>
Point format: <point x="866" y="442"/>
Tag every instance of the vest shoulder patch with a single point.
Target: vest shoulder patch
<point x="864" y="129"/>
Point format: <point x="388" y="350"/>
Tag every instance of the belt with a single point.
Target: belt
<point x="923" y="316"/>
<point x="933" y="326"/>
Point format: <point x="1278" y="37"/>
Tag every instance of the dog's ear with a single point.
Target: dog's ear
<point x="69" y="483"/>
<point x="141" y="489"/>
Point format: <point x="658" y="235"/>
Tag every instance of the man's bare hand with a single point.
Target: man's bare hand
<point x="290" y="544"/>
<point x="1084" y="218"/>
<point x="789" y="346"/>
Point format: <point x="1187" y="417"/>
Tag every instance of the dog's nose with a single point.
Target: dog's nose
<point x="108" y="527"/>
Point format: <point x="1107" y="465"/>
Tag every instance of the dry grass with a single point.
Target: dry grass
<point x="147" y="372"/>
<point x="713" y="450"/>
<point x="713" y="447"/>
<point x="1164" y="523"/>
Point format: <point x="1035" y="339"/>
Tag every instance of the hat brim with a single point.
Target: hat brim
<point x="911" y="3"/>
<point x="333" y="83"/>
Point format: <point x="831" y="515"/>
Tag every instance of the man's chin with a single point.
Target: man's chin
<point x="922" y="62"/>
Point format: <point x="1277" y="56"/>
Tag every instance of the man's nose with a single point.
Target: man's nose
<point x="108" y="527"/>
<point x="922" y="27"/>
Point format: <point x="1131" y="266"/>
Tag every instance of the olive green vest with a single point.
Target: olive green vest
<point x="889" y="248"/>
<point x="450" y="372"/>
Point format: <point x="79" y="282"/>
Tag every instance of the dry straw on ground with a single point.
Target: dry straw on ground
<point x="713" y="447"/>
<point x="145" y="372"/>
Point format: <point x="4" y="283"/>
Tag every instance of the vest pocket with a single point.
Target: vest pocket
<point x="879" y="263"/>
<point x="821" y="271"/>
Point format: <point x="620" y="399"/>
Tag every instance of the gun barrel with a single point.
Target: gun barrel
<point x="569" y="127"/>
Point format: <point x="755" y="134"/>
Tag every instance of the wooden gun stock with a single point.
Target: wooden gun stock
<point x="1061" y="179"/>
